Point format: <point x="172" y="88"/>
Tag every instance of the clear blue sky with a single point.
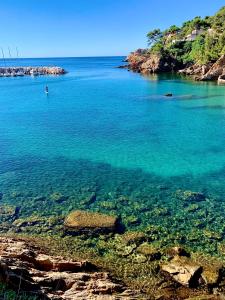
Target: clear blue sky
<point x="44" y="28"/>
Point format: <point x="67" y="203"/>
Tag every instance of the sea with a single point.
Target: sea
<point x="112" y="133"/>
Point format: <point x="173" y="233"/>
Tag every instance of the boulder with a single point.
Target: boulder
<point x="221" y="79"/>
<point x="78" y="222"/>
<point x="184" y="271"/>
<point x="216" y="70"/>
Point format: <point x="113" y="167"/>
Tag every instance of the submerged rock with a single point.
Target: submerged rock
<point x="78" y="222"/>
<point x="133" y="237"/>
<point x="58" y="197"/>
<point x="184" y="271"/>
<point x="189" y="196"/>
<point x="8" y="213"/>
<point x="149" y="251"/>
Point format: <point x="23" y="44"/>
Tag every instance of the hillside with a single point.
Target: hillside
<point x="195" y="48"/>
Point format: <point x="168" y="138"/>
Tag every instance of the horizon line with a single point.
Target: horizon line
<point x="46" y="57"/>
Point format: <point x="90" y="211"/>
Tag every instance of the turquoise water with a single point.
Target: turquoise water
<point x="104" y="114"/>
<point x="105" y="129"/>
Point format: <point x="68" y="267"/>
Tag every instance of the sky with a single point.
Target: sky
<point x="62" y="28"/>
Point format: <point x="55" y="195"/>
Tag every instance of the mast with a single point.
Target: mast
<point x="3" y="56"/>
<point x="9" y="53"/>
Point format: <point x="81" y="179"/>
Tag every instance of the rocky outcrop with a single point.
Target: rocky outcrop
<point x="207" y="72"/>
<point x="30" y="71"/>
<point x="26" y="268"/>
<point x="144" y="62"/>
<point x="216" y="70"/>
<point x="195" y="70"/>
<point x="78" y="222"/>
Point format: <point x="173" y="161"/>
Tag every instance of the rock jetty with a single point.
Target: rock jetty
<point x="30" y="71"/>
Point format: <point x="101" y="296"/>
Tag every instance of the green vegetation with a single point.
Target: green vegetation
<point x="198" y="41"/>
<point x="9" y="294"/>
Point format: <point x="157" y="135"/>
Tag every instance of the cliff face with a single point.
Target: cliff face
<point x="142" y="62"/>
<point x="146" y="63"/>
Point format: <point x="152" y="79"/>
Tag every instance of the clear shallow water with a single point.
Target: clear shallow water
<point x="112" y="132"/>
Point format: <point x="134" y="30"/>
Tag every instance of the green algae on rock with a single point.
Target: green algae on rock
<point x="8" y="213"/>
<point x="90" y="222"/>
<point x="190" y="196"/>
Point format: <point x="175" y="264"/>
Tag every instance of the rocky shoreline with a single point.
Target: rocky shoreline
<point x="30" y="71"/>
<point x="90" y="250"/>
<point x="142" y="61"/>
<point x="26" y="268"/>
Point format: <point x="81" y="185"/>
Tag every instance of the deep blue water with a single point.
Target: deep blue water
<point x="110" y="131"/>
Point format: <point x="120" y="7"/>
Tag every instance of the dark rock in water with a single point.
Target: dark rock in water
<point x="123" y="67"/>
<point x="184" y="271"/>
<point x="8" y="213"/>
<point x="90" y="199"/>
<point x="78" y="222"/>
<point x="189" y="196"/>
<point x="58" y="197"/>
<point x="168" y="95"/>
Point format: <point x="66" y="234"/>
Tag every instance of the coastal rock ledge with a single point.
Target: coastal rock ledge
<point x="142" y="61"/>
<point x="30" y="71"/>
<point x="26" y="268"/>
